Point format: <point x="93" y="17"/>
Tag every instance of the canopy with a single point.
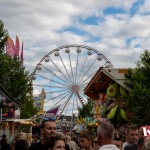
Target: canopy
<point x="7" y="100"/>
<point x="101" y="80"/>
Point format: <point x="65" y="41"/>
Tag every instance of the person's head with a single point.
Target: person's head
<point x="48" y="129"/>
<point x="132" y="134"/>
<point x="3" y="136"/>
<point x="105" y="133"/>
<point x="95" y="144"/>
<point x="56" y="143"/>
<point x="85" y="140"/>
<point x="21" y="145"/>
<point x="21" y="136"/>
<point x="35" y="138"/>
<point x="61" y="135"/>
<point x="118" y="143"/>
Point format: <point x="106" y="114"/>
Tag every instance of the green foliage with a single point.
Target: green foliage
<point x="86" y="109"/>
<point x="139" y="98"/>
<point x="15" y="79"/>
<point x="28" y="110"/>
<point x="3" y="37"/>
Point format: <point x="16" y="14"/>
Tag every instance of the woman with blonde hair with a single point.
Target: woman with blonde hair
<point x="22" y="136"/>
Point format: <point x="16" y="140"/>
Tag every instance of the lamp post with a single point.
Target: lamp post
<point x="72" y="120"/>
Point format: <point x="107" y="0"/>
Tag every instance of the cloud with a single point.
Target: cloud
<point x="145" y="7"/>
<point x="117" y="29"/>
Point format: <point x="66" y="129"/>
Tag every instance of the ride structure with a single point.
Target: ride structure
<point x="64" y="73"/>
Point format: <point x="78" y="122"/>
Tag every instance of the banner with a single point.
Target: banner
<point x="10" y="48"/>
<point x="39" y="103"/>
<point x="21" y="54"/>
<point x="17" y="46"/>
<point x="51" y="113"/>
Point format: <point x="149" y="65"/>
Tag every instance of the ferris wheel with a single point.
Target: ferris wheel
<point x="64" y="73"/>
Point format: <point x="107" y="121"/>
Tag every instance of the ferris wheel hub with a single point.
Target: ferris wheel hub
<point x="75" y="88"/>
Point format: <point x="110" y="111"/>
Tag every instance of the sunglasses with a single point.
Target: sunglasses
<point x="49" y="119"/>
<point x="95" y="141"/>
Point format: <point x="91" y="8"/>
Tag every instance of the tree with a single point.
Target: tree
<point x="3" y="37"/>
<point x="86" y="109"/>
<point x="15" y="79"/>
<point x="139" y="98"/>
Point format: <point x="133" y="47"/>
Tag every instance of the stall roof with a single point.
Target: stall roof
<point x="7" y="99"/>
<point x="21" y="121"/>
<point x="102" y="79"/>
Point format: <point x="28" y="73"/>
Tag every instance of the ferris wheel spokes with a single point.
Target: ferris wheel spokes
<point x="54" y="74"/>
<point x="60" y="99"/>
<point x="59" y="70"/>
<point x="71" y="66"/>
<point x="81" y="84"/>
<point x="66" y="102"/>
<point x="87" y="70"/>
<point x="78" y="51"/>
<point x="66" y="69"/>
<point x="59" y="95"/>
<point x="82" y="68"/>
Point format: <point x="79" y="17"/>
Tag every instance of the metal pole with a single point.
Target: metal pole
<point x="71" y="121"/>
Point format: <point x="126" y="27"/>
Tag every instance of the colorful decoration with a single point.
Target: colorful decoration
<point x="39" y="102"/>
<point x="10" y="47"/>
<point x="14" y="50"/>
<point x="111" y="106"/>
<point x="112" y="90"/>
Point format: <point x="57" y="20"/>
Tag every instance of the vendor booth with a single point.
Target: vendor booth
<point x="10" y="122"/>
<point x="109" y="93"/>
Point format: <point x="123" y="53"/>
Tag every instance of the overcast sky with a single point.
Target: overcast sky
<point x="119" y="29"/>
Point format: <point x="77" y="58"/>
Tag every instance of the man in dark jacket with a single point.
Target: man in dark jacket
<point x="48" y="129"/>
<point x="131" y="147"/>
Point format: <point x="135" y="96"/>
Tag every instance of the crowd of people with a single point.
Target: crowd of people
<point x="106" y="138"/>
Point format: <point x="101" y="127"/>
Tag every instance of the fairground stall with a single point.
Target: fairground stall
<point x="109" y="93"/>
<point x="10" y="122"/>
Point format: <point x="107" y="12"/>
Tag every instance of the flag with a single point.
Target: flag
<point x="10" y="48"/>
<point x="17" y="48"/>
<point x="51" y="113"/>
<point x="21" y="54"/>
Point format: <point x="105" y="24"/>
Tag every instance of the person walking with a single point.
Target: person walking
<point x="105" y="135"/>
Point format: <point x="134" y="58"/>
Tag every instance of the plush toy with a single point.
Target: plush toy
<point x="110" y="103"/>
<point x="103" y="110"/>
<point x="103" y="98"/>
<point x="123" y="92"/>
<point x="112" y="90"/>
